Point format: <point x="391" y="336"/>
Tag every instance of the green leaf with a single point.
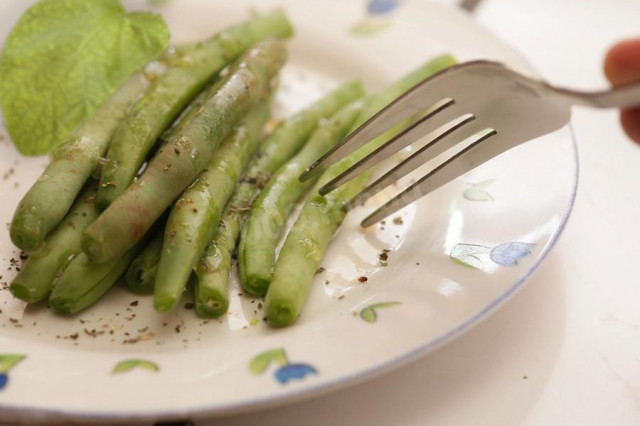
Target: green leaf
<point x="369" y="313"/>
<point x="469" y="255"/>
<point x="8" y="361"/>
<point x="64" y="58"/>
<point x="130" y="364"/>
<point x="261" y="362"/>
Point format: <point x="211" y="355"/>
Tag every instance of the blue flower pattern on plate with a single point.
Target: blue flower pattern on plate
<point x="508" y="254"/>
<point x="294" y="372"/>
<point x="286" y="370"/>
<point x="476" y="255"/>
<point x="381" y="7"/>
<point x="377" y="18"/>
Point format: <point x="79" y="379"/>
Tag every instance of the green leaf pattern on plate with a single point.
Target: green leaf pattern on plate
<point x="369" y="313"/>
<point x="261" y="362"/>
<point x="469" y="255"/>
<point x="370" y="26"/>
<point x="8" y="361"/>
<point x="478" y="191"/>
<point x="130" y="364"/>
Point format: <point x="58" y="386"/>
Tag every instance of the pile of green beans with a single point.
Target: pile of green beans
<point x="76" y="251"/>
<point x="213" y="183"/>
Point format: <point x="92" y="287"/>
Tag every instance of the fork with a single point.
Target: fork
<point x="482" y="105"/>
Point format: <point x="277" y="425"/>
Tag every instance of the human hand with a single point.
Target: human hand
<point x="622" y="66"/>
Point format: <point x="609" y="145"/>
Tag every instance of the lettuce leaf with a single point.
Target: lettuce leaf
<point x="65" y="57"/>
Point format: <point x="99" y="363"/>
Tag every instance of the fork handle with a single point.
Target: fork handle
<point x="625" y="96"/>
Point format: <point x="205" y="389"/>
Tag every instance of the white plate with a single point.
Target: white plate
<point x="501" y="219"/>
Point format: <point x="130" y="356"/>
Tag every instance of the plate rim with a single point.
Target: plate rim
<point x="290" y="396"/>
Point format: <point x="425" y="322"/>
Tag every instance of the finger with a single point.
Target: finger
<point x="622" y="66"/>
<point x="622" y="63"/>
<point x="630" y="120"/>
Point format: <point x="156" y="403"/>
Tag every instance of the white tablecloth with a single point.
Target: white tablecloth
<point x="566" y="349"/>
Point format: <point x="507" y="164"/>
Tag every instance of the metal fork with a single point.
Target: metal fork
<point x="481" y="103"/>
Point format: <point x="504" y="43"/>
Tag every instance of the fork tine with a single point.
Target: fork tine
<point x="412" y="102"/>
<point x="401" y="109"/>
<point x="445" y="138"/>
<point x="441" y="113"/>
<point x="480" y="151"/>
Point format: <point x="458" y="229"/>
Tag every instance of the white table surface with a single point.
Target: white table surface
<point x="566" y="349"/>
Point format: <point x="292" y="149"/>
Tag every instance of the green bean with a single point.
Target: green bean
<point x="83" y="282"/>
<point x="263" y="226"/>
<point x="186" y="116"/>
<point x="36" y="277"/>
<point x="176" y="166"/>
<point x="196" y="215"/>
<point x="141" y="274"/>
